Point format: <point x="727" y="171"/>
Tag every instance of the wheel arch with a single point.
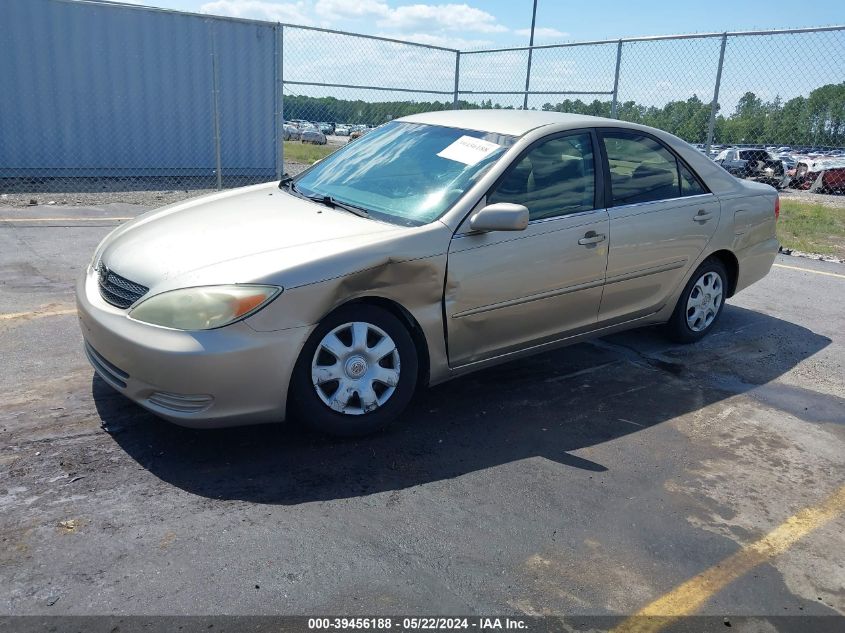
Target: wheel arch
<point x="731" y="264"/>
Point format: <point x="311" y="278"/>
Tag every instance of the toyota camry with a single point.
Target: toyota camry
<point x="435" y="245"/>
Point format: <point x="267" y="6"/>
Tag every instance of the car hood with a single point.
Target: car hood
<point x="219" y="238"/>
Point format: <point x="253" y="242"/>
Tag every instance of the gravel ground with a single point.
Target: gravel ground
<point x="837" y="202"/>
<point x="99" y="198"/>
<point x="103" y="191"/>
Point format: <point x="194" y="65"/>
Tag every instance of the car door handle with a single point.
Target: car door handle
<point x="702" y="216"/>
<point x="591" y="237"/>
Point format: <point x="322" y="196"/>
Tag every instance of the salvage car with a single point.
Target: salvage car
<point x="311" y="134"/>
<point x="358" y="131"/>
<point x="753" y="164"/>
<point x="291" y="132"/>
<point x="436" y="245"/>
<point x="820" y="174"/>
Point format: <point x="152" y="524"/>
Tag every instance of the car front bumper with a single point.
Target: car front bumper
<point x="215" y="378"/>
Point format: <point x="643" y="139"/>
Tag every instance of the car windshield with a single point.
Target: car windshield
<point x="406" y="173"/>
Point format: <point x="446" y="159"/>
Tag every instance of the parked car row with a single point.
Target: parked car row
<point x="354" y="131"/>
<point x="309" y="132"/>
<point x="305" y="131"/>
<point x="819" y="169"/>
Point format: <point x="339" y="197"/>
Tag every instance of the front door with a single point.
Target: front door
<point x="509" y="290"/>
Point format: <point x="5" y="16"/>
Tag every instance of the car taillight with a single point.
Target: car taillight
<point x="777" y="208"/>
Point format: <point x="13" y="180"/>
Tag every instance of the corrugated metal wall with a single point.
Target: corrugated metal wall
<point x="99" y="90"/>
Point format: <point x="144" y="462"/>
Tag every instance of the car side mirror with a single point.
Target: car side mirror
<point x="501" y="216"/>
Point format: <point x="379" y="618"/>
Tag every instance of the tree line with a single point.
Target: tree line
<point x="818" y="119"/>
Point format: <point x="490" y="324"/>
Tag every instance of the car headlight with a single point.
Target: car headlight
<point x="203" y="307"/>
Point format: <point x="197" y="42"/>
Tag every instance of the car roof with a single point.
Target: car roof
<point x="520" y="122"/>
<point x="511" y="122"/>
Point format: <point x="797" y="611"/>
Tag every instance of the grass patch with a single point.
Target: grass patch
<point x="306" y="153"/>
<point x="812" y="227"/>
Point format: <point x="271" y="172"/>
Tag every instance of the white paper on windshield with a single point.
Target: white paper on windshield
<point x="469" y="150"/>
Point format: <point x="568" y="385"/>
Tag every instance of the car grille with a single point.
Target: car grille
<point x="117" y="290"/>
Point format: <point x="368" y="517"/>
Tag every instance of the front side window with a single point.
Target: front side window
<point x="554" y="178"/>
<point x="643" y="170"/>
<point x="406" y="173"/>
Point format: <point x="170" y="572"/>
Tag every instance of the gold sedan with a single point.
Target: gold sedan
<point x="433" y="246"/>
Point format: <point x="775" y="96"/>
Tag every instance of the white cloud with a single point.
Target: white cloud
<point x="543" y="33"/>
<point x="436" y="24"/>
<point x="292" y="12"/>
<point x="333" y="9"/>
<point x="446" y="41"/>
<point x="449" y="17"/>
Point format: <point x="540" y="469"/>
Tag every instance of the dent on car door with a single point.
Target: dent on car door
<point x="661" y="219"/>
<point x="509" y="290"/>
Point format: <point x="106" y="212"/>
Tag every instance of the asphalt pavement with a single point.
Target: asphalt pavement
<point x="596" y="479"/>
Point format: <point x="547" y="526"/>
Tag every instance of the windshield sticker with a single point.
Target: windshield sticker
<point x="469" y="150"/>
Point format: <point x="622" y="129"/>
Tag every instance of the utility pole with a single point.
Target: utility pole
<point x="530" y="51"/>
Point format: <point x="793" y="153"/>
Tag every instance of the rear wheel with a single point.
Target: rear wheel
<point x="356" y="373"/>
<point x="700" y="304"/>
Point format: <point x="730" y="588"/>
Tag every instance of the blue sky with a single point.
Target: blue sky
<point x="652" y="73"/>
<point x="492" y="23"/>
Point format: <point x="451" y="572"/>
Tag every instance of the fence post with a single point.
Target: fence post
<point x="457" y="78"/>
<point x="280" y="101"/>
<point x="616" y="80"/>
<point x="530" y="52"/>
<point x="527" y="79"/>
<point x="215" y="101"/>
<point x="715" y="104"/>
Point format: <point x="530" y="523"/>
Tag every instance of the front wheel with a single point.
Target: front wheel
<point x="700" y="304"/>
<point x="356" y="373"/>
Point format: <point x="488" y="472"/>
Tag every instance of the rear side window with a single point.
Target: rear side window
<point x="643" y="170"/>
<point x="689" y="183"/>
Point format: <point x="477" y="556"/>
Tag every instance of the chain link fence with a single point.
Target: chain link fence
<point x="103" y="97"/>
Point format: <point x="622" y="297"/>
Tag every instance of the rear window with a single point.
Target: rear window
<point x="755" y="154"/>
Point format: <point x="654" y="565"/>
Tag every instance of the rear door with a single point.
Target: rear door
<point x="661" y="218"/>
<point x="507" y="290"/>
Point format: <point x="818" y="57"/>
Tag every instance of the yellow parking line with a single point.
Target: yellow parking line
<point x="810" y="270"/>
<point x="36" y="314"/>
<point x="61" y="219"/>
<point x="689" y="597"/>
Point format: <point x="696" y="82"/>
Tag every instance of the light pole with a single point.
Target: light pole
<point x="530" y="51"/>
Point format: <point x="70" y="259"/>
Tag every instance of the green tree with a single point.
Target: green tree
<point x="817" y="119"/>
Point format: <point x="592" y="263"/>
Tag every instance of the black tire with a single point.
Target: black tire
<point x="678" y="329"/>
<point x="308" y="407"/>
